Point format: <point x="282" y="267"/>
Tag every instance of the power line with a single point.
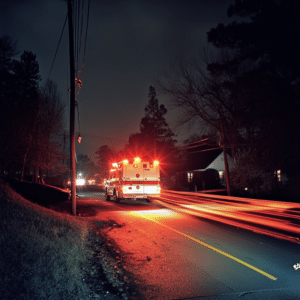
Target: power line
<point x="206" y="150"/>
<point x="85" y="43"/>
<point x="58" y="45"/>
<point x="199" y="141"/>
<point x="79" y="25"/>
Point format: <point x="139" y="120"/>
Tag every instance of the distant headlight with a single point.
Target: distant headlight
<point x="80" y="181"/>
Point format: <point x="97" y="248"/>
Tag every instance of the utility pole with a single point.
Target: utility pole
<point x="72" y="111"/>
<point x="225" y="159"/>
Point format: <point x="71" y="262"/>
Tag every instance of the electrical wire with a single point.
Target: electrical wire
<point x="81" y="28"/>
<point x="207" y="150"/>
<point x="58" y="45"/>
<point x="79" y="37"/>
<point x="199" y="141"/>
<point x="78" y="25"/>
<point x="85" y="43"/>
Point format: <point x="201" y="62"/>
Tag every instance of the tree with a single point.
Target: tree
<point x="250" y="89"/>
<point x="270" y="42"/>
<point x="155" y="139"/>
<point x="31" y="118"/>
<point x="7" y="87"/>
<point x="45" y="145"/>
<point x="86" y="166"/>
<point x="7" y="51"/>
<point x="153" y="126"/>
<point x="203" y="96"/>
<point x="19" y="101"/>
<point x="155" y="133"/>
<point x="26" y="75"/>
<point x="270" y="35"/>
<point x="105" y="156"/>
<point x="207" y="96"/>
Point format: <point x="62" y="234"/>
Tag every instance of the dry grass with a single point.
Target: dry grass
<point x="41" y="252"/>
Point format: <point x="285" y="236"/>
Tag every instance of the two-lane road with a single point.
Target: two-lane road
<point x="175" y="255"/>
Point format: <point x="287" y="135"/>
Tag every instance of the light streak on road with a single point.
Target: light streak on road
<point x="159" y="212"/>
<point x="145" y="214"/>
<point x="273" y="218"/>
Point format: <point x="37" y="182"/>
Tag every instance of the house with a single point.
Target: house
<point x="206" y="170"/>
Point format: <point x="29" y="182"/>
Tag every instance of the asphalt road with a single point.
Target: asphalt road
<point x="177" y="256"/>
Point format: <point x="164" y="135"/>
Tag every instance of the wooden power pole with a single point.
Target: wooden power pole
<point x="225" y="159"/>
<point x="72" y="111"/>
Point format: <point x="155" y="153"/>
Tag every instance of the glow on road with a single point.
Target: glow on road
<point x="168" y="213"/>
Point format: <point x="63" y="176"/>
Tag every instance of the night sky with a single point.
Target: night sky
<point x="129" y="45"/>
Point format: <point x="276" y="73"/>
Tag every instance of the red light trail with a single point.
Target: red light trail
<point x="272" y="218"/>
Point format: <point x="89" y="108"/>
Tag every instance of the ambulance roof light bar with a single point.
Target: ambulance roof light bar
<point x="137" y="159"/>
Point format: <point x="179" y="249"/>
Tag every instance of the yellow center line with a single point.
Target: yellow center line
<point x="215" y="249"/>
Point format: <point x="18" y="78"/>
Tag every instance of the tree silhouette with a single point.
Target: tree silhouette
<point x="31" y="118"/>
<point x="105" y="156"/>
<point x="268" y="92"/>
<point x="155" y="139"/>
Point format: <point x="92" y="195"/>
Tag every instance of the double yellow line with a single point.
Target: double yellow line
<point x="214" y="249"/>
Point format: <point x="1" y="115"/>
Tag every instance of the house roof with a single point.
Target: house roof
<point x="201" y="160"/>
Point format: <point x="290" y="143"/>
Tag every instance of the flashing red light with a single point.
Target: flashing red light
<point x="137" y="159"/>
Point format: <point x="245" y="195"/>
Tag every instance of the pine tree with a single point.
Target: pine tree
<point x="155" y="141"/>
<point x="154" y="127"/>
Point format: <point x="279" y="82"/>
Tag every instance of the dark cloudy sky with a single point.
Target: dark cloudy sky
<point x="129" y="44"/>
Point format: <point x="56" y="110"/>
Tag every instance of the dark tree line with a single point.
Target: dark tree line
<point x="248" y="88"/>
<point x="267" y="90"/>
<point x="31" y="117"/>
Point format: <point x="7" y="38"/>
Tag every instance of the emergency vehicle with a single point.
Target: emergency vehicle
<point x="133" y="179"/>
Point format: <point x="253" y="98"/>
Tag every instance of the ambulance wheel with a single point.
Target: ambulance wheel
<point x="117" y="198"/>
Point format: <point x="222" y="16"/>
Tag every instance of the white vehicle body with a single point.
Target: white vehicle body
<point x="133" y="179"/>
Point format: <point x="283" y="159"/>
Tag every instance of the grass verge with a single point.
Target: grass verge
<point x="42" y="253"/>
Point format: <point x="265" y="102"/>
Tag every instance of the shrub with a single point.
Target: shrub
<point x="249" y="177"/>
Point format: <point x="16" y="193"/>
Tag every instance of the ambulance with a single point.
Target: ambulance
<point x="134" y="179"/>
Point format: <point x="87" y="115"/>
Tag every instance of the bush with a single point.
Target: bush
<point x="250" y="178"/>
<point x="292" y="189"/>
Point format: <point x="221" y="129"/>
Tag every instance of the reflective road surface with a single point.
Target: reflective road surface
<point x="192" y="246"/>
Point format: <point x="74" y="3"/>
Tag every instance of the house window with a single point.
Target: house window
<point x="278" y="175"/>
<point x="190" y="176"/>
<point x="221" y="174"/>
